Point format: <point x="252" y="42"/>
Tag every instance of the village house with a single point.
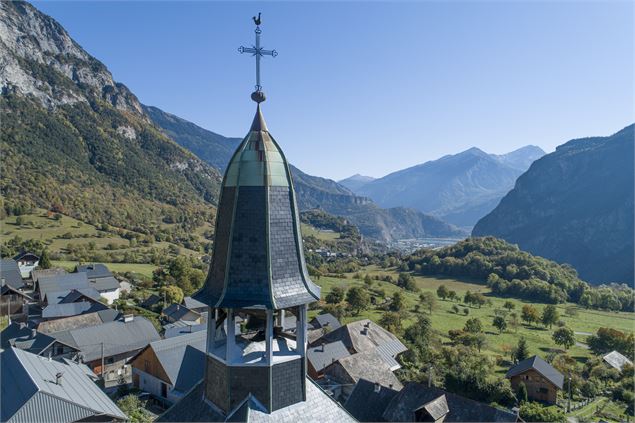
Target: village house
<point x="72" y="303"/>
<point x="112" y="343"/>
<point x="13" y="302"/>
<point x="342" y="375"/>
<point x="539" y="377"/>
<point x="175" y="312"/>
<point x="169" y="368"/>
<point x="194" y="305"/>
<point x="10" y="273"/>
<point x="79" y="321"/>
<point x="27" y="262"/>
<point x="19" y="335"/>
<point x="321" y="356"/>
<point x="325" y="321"/>
<point x="37" y="389"/>
<point x="420" y="403"/>
<point x="366" y="336"/>
<point x="102" y="280"/>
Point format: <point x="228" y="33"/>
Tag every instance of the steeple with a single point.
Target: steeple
<point x="257" y="274"/>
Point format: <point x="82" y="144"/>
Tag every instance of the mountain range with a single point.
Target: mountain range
<point x="313" y="191"/>
<point x="459" y="188"/>
<point x="77" y="142"/>
<point x="356" y="181"/>
<point x="575" y="206"/>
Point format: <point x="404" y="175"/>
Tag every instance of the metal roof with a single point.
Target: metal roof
<point x="616" y="360"/>
<point x="541" y="366"/>
<point x="94" y="270"/>
<point x="182" y="358"/>
<point x="321" y="356"/>
<point x="108" y="283"/>
<point x="258" y="259"/>
<point x="53" y="286"/>
<point x="30" y="392"/>
<point x="24" y="338"/>
<point x="10" y="273"/>
<point x="180" y="312"/>
<point x="79" y="321"/>
<point x="53" y="311"/>
<point x="182" y="328"/>
<point x="117" y="337"/>
<point x="76" y="294"/>
<point x="191" y="303"/>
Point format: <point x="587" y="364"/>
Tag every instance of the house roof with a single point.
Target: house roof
<point x="181" y="327"/>
<point x="54" y="311"/>
<point x="8" y="289"/>
<point x="321" y="356"/>
<point x="10" y="273"/>
<point x="42" y="273"/>
<point x="79" y="321"/>
<point x="415" y="395"/>
<point x="53" y="286"/>
<point x="367" y="405"/>
<point x="436" y="408"/>
<point x="616" y="360"/>
<point x="541" y="366"/>
<point x="21" y="336"/>
<point x="180" y="312"/>
<point x="182" y="358"/>
<point x="26" y="255"/>
<point x="368" y="365"/>
<point x="364" y="335"/>
<point x="191" y="303"/>
<point x="73" y="295"/>
<point x="117" y="337"/>
<point x="108" y="283"/>
<point x="30" y="392"/>
<point x="318" y="407"/>
<point x="325" y="320"/>
<point x="94" y="270"/>
<point x="150" y="301"/>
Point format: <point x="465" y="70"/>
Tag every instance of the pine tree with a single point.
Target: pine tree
<point x="45" y="262"/>
<point x="521" y="350"/>
<point x="521" y="394"/>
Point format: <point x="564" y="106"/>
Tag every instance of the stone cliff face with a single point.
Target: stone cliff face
<point x="30" y="42"/>
<point x="575" y="206"/>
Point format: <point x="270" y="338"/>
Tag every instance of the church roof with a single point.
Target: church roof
<point x="318" y="407"/>
<point x="258" y="260"/>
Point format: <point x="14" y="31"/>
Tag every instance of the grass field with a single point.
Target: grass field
<point x="324" y="235"/>
<point x="142" y="269"/>
<point x="443" y="318"/>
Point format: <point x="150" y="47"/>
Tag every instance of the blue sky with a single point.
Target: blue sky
<point x="373" y="87"/>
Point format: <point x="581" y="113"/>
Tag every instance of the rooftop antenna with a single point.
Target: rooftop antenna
<point x="257" y="51"/>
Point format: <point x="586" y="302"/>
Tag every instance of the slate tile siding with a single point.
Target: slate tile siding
<point x="217" y="383"/>
<point x="287" y="384"/>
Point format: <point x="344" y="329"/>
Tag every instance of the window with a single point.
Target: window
<point x="543" y="390"/>
<point x="146" y="366"/>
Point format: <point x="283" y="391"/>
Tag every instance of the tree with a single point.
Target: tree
<point x="133" y="408"/>
<point x="509" y="305"/>
<point x="608" y="339"/>
<point x="407" y="282"/>
<point x="391" y="321"/>
<point x="513" y="321"/>
<point x="368" y="281"/>
<point x="521" y="352"/>
<point x="45" y="261"/>
<point x="442" y="292"/>
<point x="529" y="314"/>
<point x="473" y="325"/>
<point x="467" y="298"/>
<point x="564" y="336"/>
<point x="173" y="294"/>
<point x="418" y="334"/>
<point x="549" y="316"/>
<point x="452" y="295"/>
<point x="466" y="311"/>
<point x="521" y="393"/>
<point x="428" y="300"/>
<point x="397" y="302"/>
<point x="455" y="308"/>
<point x="358" y="299"/>
<point x="535" y="412"/>
<point x="500" y="323"/>
<point x="479" y="299"/>
<point x="336" y="295"/>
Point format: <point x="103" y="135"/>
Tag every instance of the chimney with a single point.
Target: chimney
<point x="58" y="378"/>
<point x="323" y="344"/>
<point x="377" y="388"/>
<point x="365" y="330"/>
<point x="33" y="333"/>
<point x="390" y="386"/>
<point x="128" y="318"/>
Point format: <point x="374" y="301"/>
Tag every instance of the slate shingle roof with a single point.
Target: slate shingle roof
<point x="182" y="328"/>
<point x="541" y="366"/>
<point x="118" y="337"/>
<point x="94" y="270"/>
<point x="30" y="392"/>
<point x="25" y="338"/>
<point x="80" y="321"/>
<point x="325" y="320"/>
<point x="53" y="287"/>
<point x="10" y="273"/>
<point x="321" y="356"/>
<point x="367" y="405"/>
<point x="193" y="304"/>
<point x="53" y="311"/>
<point x="180" y="312"/>
<point x="318" y="407"/>
<point x="414" y="395"/>
<point x="9" y="290"/>
<point x="258" y="259"/>
<point x="368" y="365"/>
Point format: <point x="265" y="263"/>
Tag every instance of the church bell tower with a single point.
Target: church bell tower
<point x="258" y="287"/>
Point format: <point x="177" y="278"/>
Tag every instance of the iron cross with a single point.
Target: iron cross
<point x="257" y="51"/>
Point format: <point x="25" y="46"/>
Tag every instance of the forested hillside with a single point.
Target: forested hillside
<point x="575" y="206"/>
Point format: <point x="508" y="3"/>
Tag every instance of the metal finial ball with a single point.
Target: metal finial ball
<point x="258" y="96"/>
